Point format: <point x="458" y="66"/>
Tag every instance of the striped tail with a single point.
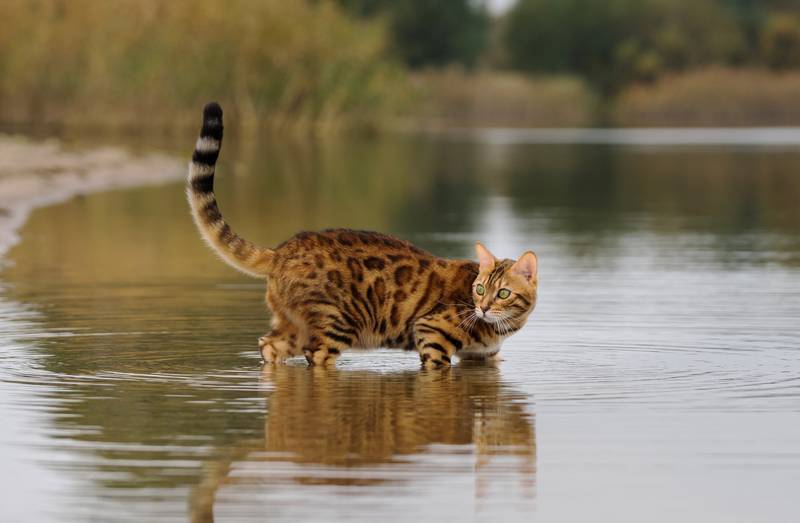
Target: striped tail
<point x="232" y="248"/>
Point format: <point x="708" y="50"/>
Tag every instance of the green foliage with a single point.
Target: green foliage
<point x="614" y="42"/>
<point x="749" y="15"/>
<point x="431" y="32"/>
<point x="780" y="41"/>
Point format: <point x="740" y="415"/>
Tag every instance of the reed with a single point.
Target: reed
<point x="713" y="97"/>
<point x="454" y="97"/>
<point x="121" y="63"/>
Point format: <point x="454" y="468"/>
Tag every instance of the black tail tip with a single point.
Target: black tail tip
<point x="212" y="111"/>
<point x="212" y="121"/>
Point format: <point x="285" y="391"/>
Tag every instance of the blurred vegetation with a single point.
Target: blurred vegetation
<point x="453" y="97"/>
<point x="780" y="41"/>
<point x="289" y="63"/>
<point x="431" y="32"/>
<point x="714" y="56"/>
<point x="713" y="97"/>
<point x="367" y="63"/>
<point x="616" y="42"/>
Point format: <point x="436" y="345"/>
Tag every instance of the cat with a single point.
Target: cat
<point x="341" y="288"/>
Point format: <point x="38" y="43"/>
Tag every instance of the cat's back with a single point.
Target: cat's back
<point x="374" y="250"/>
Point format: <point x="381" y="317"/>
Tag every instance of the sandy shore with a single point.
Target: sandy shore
<point x="39" y="173"/>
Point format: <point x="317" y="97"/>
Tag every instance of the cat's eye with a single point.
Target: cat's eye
<point x="503" y="294"/>
<point x="479" y="289"/>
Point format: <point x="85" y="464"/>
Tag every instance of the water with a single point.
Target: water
<point x="658" y="379"/>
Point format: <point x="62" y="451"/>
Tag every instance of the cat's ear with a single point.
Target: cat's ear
<point x="485" y="258"/>
<point x="526" y="266"/>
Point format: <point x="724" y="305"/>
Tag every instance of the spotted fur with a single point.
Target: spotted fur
<point x="340" y="288"/>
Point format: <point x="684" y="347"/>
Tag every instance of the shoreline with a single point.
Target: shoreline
<point x="37" y="173"/>
<point x="628" y="136"/>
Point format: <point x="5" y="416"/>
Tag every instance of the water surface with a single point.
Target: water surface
<point x="658" y="380"/>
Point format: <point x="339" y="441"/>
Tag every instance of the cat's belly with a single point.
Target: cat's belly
<point x="389" y="340"/>
<point x="369" y="340"/>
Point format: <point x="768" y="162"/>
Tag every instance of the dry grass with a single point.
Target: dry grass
<point x="150" y="62"/>
<point x="497" y="99"/>
<point x="713" y="97"/>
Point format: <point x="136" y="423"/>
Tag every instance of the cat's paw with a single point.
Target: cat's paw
<point x="322" y="357"/>
<point x="267" y="350"/>
<point x="434" y="362"/>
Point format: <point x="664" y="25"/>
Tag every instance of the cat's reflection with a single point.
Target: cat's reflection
<point x="347" y="420"/>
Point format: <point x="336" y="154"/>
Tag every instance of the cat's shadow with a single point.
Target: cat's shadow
<point x="360" y="420"/>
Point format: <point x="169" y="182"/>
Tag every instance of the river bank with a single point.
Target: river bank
<point x="36" y="174"/>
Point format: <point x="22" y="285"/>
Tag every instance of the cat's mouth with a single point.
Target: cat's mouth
<point x="488" y="316"/>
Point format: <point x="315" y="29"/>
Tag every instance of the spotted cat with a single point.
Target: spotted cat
<point x="339" y="288"/>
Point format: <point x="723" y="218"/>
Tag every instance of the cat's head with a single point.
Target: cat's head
<point x="505" y="290"/>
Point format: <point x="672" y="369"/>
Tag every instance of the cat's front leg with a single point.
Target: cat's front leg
<point x="437" y="340"/>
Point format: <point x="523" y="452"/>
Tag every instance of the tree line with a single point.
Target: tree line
<point x="610" y="43"/>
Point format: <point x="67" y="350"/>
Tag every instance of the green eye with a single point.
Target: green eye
<point x="503" y="294"/>
<point x="480" y="289"/>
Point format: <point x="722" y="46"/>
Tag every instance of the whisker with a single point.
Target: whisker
<point x="469" y="321"/>
<point x="501" y="326"/>
<point x="508" y="325"/>
<point x="469" y="307"/>
<point x="464" y="321"/>
<point x="507" y="322"/>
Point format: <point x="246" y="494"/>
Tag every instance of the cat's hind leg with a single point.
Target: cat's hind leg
<point x="328" y="337"/>
<point x="280" y="343"/>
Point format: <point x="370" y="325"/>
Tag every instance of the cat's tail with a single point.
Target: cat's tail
<point x="232" y="248"/>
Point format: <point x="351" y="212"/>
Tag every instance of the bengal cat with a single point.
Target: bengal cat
<point x="340" y="288"/>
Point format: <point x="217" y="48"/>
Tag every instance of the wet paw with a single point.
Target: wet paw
<point x="434" y="362"/>
<point x="267" y="351"/>
<point x="321" y="357"/>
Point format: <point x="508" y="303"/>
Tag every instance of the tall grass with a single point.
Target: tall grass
<point x="713" y="97"/>
<point x="452" y="97"/>
<point x="151" y="62"/>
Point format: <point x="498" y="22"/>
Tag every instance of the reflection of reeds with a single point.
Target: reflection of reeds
<point x="453" y="97"/>
<point x="713" y="97"/>
<point x="128" y="62"/>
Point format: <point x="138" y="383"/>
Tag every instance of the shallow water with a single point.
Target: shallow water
<point x="658" y="380"/>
